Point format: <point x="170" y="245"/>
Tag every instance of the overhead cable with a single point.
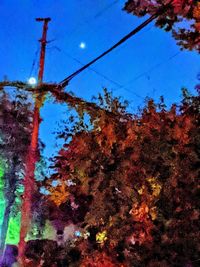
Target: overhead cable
<point x="65" y="82"/>
<point x="34" y="61"/>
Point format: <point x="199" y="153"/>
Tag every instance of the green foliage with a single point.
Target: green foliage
<point x="12" y="236"/>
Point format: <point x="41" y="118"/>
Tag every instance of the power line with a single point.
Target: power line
<point x="95" y="71"/>
<point x="153" y="68"/>
<point x="145" y="73"/>
<point x="120" y="86"/>
<point x="101" y="12"/>
<point x="92" y="69"/>
<point x="34" y="61"/>
<point x="65" y="82"/>
<point x="88" y="21"/>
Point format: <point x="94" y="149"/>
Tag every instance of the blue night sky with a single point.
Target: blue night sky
<point x="148" y="64"/>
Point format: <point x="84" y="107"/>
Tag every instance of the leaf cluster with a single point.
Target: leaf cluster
<point x="181" y="17"/>
<point x="132" y="184"/>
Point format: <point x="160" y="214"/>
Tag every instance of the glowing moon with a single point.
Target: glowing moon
<point x="82" y="45"/>
<point x="32" y="81"/>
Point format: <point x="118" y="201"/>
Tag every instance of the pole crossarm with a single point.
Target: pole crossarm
<point x="64" y="97"/>
<point x="40" y="88"/>
<point x="17" y="84"/>
<point x="77" y="102"/>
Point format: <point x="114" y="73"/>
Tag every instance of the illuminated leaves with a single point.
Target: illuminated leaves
<point x="101" y="237"/>
<point x="107" y="137"/>
<point x="139" y="177"/>
<point x="153" y="213"/>
<point x="98" y="260"/>
<point x="139" y="212"/>
<point x="155" y="186"/>
<point x="59" y="194"/>
<point x="196" y="11"/>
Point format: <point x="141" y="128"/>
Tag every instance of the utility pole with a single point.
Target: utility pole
<point x="33" y="153"/>
<point x="43" y="47"/>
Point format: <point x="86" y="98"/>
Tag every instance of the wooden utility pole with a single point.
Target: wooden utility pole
<point x="43" y="47"/>
<point x="33" y="153"/>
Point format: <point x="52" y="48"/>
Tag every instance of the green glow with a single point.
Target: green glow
<point x="13" y="230"/>
<point x="13" y="233"/>
<point x="2" y="199"/>
<point x="1" y="169"/>
<point x="1" y="172"/>
<point x="49" y="231"/>
<point x="2" y="208"/>
<point x="33" y="233"/>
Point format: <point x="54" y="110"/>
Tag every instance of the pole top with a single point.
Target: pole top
<point x="43" y="19"/>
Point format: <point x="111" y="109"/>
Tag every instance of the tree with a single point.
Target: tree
<point x="15" y="129"/>
<point x="129" y="184"/>
<point x="182" y="17"/>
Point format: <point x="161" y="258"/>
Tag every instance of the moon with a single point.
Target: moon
<point x="32" y="81"/>
<point x="82" y="45"/>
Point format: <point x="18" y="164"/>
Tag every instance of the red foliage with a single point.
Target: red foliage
<point x="176" y="11"/>
<point x="134" y="183"/>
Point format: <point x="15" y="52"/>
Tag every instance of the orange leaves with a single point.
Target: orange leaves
<point x="196" y="11"/>
<point x="196" y="15"/>
<point x="131" y="135"/>
<point x="98" y="259"/>
<point x="109" y="132"/>
<point x="144" y="212"/>
<point x="197" y="26"/>
<point x="106" y="136"/>
<point x="181" y="129"/>
<point x="142" y="216"/>
<point x="139" y="212"/>
<point x="153" y="213"/>
<point x="155" y="186"/>
<point x="59" y="194"/>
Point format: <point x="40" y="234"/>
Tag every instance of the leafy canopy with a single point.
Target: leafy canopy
<point x="130" y="184"/>
<point x="181" y="17"/>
